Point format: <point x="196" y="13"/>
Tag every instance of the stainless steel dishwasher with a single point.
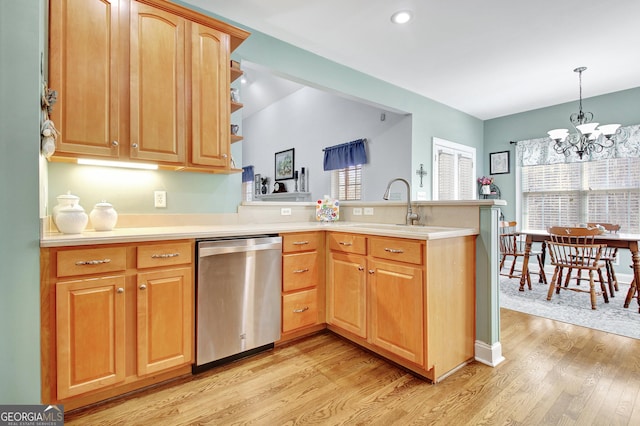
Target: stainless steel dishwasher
<point x="237" y="298"/>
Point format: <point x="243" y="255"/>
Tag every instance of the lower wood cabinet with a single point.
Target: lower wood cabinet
<point x="114" y="318"/>
<point x="412" y="301"/>
<point x="302" y="284"/>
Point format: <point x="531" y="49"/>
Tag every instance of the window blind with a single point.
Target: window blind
<point x="346" y="183"/>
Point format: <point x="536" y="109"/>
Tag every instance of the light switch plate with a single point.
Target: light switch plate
<point x="368" y="211"/>
<point x="285" y="211"/>
<point x="357" y="211"/>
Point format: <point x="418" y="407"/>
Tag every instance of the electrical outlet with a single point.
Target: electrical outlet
<point x="368" y="211"/>
<point x="160" y="199"/>
<point x="285" y="211"/>
<point x="357" y="211"/>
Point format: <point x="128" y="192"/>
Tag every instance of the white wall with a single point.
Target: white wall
<point x="310" y="120"/>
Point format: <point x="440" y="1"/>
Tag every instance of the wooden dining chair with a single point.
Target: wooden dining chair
<point x="512" y="246"/>
<point x="576" y="249"/>
<point x="609" y="256"/>
<point x="632" y="293"/>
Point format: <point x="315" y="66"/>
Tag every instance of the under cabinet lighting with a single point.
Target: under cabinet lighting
<point x="123" y="164"/>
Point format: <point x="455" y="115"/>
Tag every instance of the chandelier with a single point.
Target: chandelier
<point x="589" y="137"/>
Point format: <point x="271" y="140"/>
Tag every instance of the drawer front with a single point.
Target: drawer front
<point x="299" y="270"/>
<point x="91" y="261"/>
<point x="302" y="241"/>
<point x="168" y="254"/>
<point x="410" y="251"/>
<point x="347" y="243"/>
<point x="299" y="310"/>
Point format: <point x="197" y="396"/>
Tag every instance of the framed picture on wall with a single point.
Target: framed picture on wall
<point x="499" y="163"/>
<point x="284" y="164"/>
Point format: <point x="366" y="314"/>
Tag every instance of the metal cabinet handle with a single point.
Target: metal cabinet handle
<point x="299" y="271"/>
<point x="134" y="146"/>
<point x="390" y="250"/>
<point x="224" y="155"/>
<point x="371" y="271"/>
<point x="299" y="311"/>
<point x="143" y="287"/>
<point x="164" y="256"/>
<point x="120" y="290"/>
<point x="300" y="243"/>
<point x="345" y="243"/>
<point x="114" y="143"/>
<point x="93" y="262"/>
<point x="360" y="268"/>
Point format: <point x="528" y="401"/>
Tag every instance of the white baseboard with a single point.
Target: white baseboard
<point x="490" y="355"/>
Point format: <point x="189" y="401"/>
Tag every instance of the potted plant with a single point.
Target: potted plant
<point x="485" y="182"/>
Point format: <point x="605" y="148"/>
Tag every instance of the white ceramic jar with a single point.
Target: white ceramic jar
<point x="103" y="216"/>
<point x="64" y="200"/>
<point x="71" y="219"/>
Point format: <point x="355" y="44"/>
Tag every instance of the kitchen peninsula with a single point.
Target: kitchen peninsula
<point x="416" y="299"/>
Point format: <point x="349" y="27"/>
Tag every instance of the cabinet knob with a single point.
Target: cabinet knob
<point x="114" y="143"/>
<point x="143" y="287"/>
<point x="134" y="145"/>
<point x="224" y="155"/>
<point x="360" y="268"/>
<point x="120" y="290"/>
<point x="371" y="271"/>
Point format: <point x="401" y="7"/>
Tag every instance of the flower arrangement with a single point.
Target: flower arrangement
<point x="485" y="180"/>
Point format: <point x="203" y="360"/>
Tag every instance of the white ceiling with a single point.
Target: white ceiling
<point x="487" y="58"/>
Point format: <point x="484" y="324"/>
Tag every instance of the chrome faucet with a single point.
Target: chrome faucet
<point x="411" y="216"/>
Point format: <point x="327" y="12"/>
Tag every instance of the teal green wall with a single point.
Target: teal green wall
<point x="620" y="107"/>
<point x="21" y="40"/>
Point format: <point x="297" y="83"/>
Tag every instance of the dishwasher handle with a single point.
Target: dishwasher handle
<point x="206" y="249"/>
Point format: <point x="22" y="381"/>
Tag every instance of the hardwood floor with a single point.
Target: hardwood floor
<point x="555" y="373"/>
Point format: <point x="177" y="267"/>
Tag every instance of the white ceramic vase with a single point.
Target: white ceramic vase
<point x="71" y="219"/>
<point x="64" y="200"/>
<point x="103" y="216"/>
<point x="485" y="189"/>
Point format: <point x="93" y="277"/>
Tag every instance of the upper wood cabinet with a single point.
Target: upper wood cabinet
<point x="85" y="66"/>
<point x="158" y="85"/>
<point x="210" y="94"/>
<point x="144" y="80"/>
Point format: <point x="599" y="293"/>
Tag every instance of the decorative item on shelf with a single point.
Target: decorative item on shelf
<point x="265" y="185"/>
<point x="235" y="95"/>
<point x="327" y="209"/>
<point x="279" y="187"/>
<point x="589" y="137"/>
<point x="304" y="185"/>
<point x="257" y="179"/>
<point x="103" y="216"/>
<point x="234" y="129"/>
<point x="295" y="180"/>
<point x="235" y="64"/>
<point x="284" y="164"/>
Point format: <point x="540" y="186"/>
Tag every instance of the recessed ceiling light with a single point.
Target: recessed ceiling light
<point x="401" y="17"/>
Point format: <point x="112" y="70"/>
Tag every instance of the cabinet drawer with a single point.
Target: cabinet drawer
<point x="91" y="261"/>
<point x="164" y="255"/>
<point x="299" y="309"/>
<point x="302" y="241"/>
<point x="299" y="270"/>
<point x="348" y="243"/>
<point x="410" y="251"/>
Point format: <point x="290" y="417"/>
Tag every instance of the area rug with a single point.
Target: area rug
<point x="573" y="307"/>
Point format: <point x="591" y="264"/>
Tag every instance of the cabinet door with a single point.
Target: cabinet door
<point x="157" y="67"/>
<point x="90" y="334"/>
<point x="84" y="67"/>
<point x="165" y="319"/>
<point x="210" y="97"/>
<point x="347" y="293"/>
<point x="397" y="309"/>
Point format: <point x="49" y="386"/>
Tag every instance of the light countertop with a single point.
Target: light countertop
<point x="158" y="233"/>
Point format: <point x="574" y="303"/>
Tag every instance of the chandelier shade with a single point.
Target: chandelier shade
<point x="588" y="138"/>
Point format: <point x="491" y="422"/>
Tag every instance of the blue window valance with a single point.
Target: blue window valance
<point x="345" y="155"/>
<point x="247" y="174"/>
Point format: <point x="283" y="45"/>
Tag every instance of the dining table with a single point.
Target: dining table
<point x="611" y="239"/>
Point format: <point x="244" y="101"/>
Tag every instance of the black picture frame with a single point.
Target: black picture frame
<point x="499" y="163"/>
<point x="284" y="164"/>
